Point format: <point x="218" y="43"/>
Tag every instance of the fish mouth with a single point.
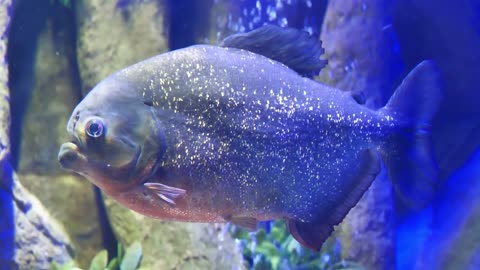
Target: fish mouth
<point x="70" y="157"/>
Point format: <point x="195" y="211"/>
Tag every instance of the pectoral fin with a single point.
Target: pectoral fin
<point x="248" y="223"/>
<point x="167" y="193"/>
<point x="313" y="234"/>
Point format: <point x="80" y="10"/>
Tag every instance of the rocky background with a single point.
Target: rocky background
<point x="57" y="50"/>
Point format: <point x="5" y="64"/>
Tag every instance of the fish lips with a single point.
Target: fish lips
<point x="70" y="157"/>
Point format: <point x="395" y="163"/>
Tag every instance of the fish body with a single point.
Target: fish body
<point x="219" y="134"/>
<point x="257" y="141"/>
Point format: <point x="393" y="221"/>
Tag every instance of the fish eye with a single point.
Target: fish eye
<point x="94" y="128"/>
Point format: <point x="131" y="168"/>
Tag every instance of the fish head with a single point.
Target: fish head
<point x="114" y="137"/>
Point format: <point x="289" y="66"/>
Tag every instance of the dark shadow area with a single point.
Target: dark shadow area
<point x="65" y="30"/>
<point x="108" y="237"/>
<point x="27" y="22"/>
<point x="182" y="20"/>
<point x="449" y="34"/>
<point x="7" y="224"/>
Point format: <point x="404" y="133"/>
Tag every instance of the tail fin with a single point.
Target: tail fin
<point x="409" y="159"/>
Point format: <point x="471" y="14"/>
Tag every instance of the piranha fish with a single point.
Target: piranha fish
<point x="239" y="133"/>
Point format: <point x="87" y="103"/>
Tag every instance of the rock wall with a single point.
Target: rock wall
<point x="6" y="7"/>
<point x="39" y="238"/>
<point x="115" y="34"/>
<point x="362" y="49"/>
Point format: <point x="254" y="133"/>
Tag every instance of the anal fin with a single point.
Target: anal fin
<point x="313" y="234"/>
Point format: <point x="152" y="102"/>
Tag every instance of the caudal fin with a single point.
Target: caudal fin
<point x="409" y="156"/>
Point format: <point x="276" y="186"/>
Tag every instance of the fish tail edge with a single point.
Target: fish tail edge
<point x="409" y="156"/>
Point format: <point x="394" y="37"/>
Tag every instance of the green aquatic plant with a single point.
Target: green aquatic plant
<point x="272" y="247"/>
<point x="128" y="261"/>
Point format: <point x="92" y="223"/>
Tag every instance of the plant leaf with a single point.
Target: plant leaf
<point x="268" y="249"/>
<point x="99" y="262"/>
<point x="113" y="265"/>
<point x="54" y="266"/>
<point x="119" y="252"/>
<point x="346" y="265"/>
<point x="67" y="266"/>
<point x="132" y="257"/>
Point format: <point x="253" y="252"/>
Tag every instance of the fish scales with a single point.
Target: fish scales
<point x="276" y="141"/>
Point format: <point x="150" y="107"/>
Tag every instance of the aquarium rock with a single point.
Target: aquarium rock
<point x="361" y="48"/>
<point x="113" y="35"/>
<point x="39" y="238"/>
<point x="5" y="16"/>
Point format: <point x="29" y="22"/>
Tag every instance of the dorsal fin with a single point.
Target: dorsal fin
<point x="294" y="48"/>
